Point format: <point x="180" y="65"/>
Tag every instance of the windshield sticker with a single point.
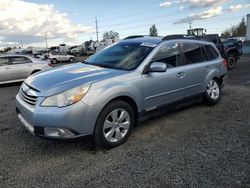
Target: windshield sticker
<point x="148" y="44"/>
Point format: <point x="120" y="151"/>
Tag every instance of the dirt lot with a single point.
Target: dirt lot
<point x="199" y="146"/>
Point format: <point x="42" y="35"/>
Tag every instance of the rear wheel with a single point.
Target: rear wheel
<point x="71" y="60"/>
<point x="213" y="92"/>
<point x="114" y="124"/>
<point x="53" y="61"/>
<point x="231" y="61"/>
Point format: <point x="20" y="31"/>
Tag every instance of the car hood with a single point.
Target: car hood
<point x="66" y="77"/>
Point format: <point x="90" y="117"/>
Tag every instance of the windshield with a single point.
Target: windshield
<point x="123" y="56"/>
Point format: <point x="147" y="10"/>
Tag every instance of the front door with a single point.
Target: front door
<point x="160" y="88"/>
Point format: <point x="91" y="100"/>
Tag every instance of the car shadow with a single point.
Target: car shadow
<point x="11" y="84"/>
<point x="87" y="144"/>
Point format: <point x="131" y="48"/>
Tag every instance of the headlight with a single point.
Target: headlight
<point x="66" y="98"/>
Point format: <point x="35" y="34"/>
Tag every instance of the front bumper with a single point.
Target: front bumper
<point x="56" y="123"/>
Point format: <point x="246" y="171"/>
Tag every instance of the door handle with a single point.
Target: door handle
<point x="180" y="75"/>
<point x="207" y="67"/>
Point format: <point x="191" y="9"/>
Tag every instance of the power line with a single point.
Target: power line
<point x="169" y="14"/>
<point x="129" y="9"/>
<point x="162" y="22"/>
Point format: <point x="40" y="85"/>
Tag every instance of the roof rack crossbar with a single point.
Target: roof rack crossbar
<point x="180" y="36"/>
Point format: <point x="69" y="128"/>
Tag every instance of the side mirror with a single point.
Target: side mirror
<point x="158" y="67"/>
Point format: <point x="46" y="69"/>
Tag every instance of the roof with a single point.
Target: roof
<point x="14" y="55"/>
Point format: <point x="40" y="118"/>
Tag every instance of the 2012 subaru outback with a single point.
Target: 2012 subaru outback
<point x="105" y="95"/>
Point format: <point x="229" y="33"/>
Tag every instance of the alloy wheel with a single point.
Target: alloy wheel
<point x="116" y="125"/>
<point x="213" y="89"/>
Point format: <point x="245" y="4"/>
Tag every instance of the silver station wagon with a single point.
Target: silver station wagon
<point x="16" y="68"/>
<point x="106" y="95"/>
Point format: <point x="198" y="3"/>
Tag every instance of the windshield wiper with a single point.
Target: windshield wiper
<point x="100" y="65"/>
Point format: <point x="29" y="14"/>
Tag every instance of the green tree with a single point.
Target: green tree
<point x="110" y="35"/>
<point x="238" y="30"/>
<point x="153" y="31"/>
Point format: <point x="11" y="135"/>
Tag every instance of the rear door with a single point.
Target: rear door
<point x="63" y="57"/>
<point x="194" y="68"/>
<point x="5" y="73"/>
<point x="21" y="67"/>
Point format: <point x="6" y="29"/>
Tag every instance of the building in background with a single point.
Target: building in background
<point x="248" y="28"/>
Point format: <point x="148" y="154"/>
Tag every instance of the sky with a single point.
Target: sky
<point x="26" y="22"/>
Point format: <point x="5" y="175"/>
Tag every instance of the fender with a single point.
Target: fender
<point x="235" y="49"/>
<point x="215" y="73"/>
<point x="131" y="88"/>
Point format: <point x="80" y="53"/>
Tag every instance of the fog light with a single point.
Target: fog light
<point x="54" y="132"/>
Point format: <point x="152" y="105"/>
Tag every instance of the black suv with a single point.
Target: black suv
<point x="230" y="49"/>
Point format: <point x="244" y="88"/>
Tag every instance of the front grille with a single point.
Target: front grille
<point x="27" y="95"/>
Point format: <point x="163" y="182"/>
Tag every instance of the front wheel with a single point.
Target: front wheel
<point x="114" y="124"/>
<point x="213" y="92"/>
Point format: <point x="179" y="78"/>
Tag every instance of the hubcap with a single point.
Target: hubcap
<point x="116" y="125"/>
<point x="231" y="62"/>
<point x="213" y="89"/>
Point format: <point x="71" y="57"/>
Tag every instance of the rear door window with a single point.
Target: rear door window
<point x="20" y="60"/>
<point x="210" y="52"/>
<point x="192" y="53"/>
<point x="4" y="61"/>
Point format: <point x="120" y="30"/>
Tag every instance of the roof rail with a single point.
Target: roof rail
<point x="180" y="36"/>
<point x="135" y="36"/>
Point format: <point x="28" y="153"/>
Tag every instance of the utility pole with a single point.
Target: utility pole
<point x="96" y="27"/>
<point x="190" y="25"/>
<point x="46" y="40"/>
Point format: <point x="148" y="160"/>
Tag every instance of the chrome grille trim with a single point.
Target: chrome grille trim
<point x="27" y="97"/>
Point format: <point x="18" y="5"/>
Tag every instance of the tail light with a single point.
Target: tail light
<point x="50" y="64"/>
<point x="225" y="62"/>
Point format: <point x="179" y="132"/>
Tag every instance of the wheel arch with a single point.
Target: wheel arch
<point x="128" y="100"/>
<point x="232" y="51"/>
<point x="35" y="71"/>
<point x="215" y="74"/>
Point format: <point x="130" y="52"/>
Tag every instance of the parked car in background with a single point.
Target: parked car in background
<point x="76" y="50"/>
<point x="110" y="91"/>
<point x="231" y="50"/>
<point x="60" y="57"/>
<point x="15" y="68"/>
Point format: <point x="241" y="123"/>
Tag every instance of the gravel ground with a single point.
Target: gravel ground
<point x="198" y="146"/>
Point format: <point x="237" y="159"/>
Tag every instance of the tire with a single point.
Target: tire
<point x="114" y="132"/>
<point x="231" y="61"/>
<point x="213" y="92"/>
<point x="54" y="61"/>
<point x="71" y="60"/>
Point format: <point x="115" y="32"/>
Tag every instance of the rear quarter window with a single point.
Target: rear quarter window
<point x="210" y="52"/>
<point x="192" y="53"/>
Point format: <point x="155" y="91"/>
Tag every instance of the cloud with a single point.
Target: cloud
<point x="202" y="3"/>
<point x="194" y="3"/>
<point x="181" y="8"/>
<point x="235" y="8"/>
<point x="166" y="4"/>
<point x="28" y="22"/>
<point x="201" y="16"/>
